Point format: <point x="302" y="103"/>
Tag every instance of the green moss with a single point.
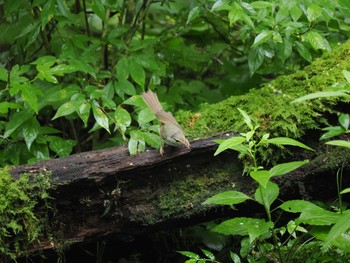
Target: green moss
<point x="185" y="195"/>
<point x="271" y="106"/>
<point x="20" y="226"/>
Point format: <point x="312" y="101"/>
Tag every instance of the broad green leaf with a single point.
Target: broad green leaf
<point x="189" y="254"/>
<point x="236" y="13"/>
<point x="303" y="51"/>
<point x="152" y="139"/>
<point x="16" y="120"/>
<point x="295" y="12"/>
<point x="317" y="41"/>
<point x="261" y="176"/>
<point x="262" y="37"/>
<point x="3" y="74"/>
<point x="145" y="116"/>
<point x="48" y="12"/>
<point x="246" y="118"/>
<point x="313" y="12"/>
<point x="136" y="142"/>
<point x="341" y="227"/>
<point x="62" y="147"/>
<point x="341" y="143"/>
<point x="6" y="106"/>
<point x="332" y="131"/>
<point x="243" y="226"/>
<point x="267" y="195"/>
<point x="208" y="254"/>
<point x="345" y="191"/>
<point x="99" y="9"/>
<point x="322" y="94"/>
<point x="229" y="144"/>
<point x="193" y="14"/>
<point x="296" y="206"/>
<point x="30" y="130"/>
<point x="29" y="95"/>
<point x="66" y="109"/>
<point x="234" y="257"/>
<point x="344" y="120"/>
<point x="84" y="112"/>
<point x="137" y="72"/>
<point x="126" y="87"/>
<point x="310" y="213"/>
<point x="122" y="68"/>
<point x="318" y="216"/>
<point x="136" y="101"/>
<point x="227" y="198"/>
<point x="255" y="59"/>
<point x="285" y="168"/>
<point x="122" y="116"/>
<point x="100" y="117"/>
<point x="288" y="141"/>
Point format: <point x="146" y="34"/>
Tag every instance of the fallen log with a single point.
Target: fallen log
<point x="110" y="193"/>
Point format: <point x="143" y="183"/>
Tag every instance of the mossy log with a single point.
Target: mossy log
<point x="110" y="193"/>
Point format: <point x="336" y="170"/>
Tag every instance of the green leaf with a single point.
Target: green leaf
<point x="341" y="227"/>
<point x="16" y="121"/>
<point x="62" y="147"/>
<point x="288" y="141"/>
<point x="303" y="51"/>
<point x="317" y="41"/>
<point x="344" y="120"/>
<point x="285" y="168"/>
<point x="208" y="254"/>
<point x="322" y="94"/>
<point x="30" y="130"/>
<point x="229" y="144"/>
<point x="310" y="213"/>
<point x="296" y="206"/>
<point x="267" y="195"/>
<point x="137" y="72"/>
<point x="99" y="9"/>
<point x="341" y="143"/>
<point x="295" y="12"/>
<point x="152" y="139"/>
<point x="84" y="112"/>
<point x="66" y="109"/>
<point x="193" y="14"/>
<point x="122" y="117"/>
<point x="262" y="177"/>
<point x="243" y="226"/>
<point x="189" y="254"/>
<point x="255" y="59"/>
<point x="3" y="74"/>
<point x="47" y="12"/>
<point x="227" y="198"/>
<point x="100" y="117"/>
<point x="6" y="106"/>
<point x="234" y="257"/>
<point x="246" y="118"/>
<point x="313" y="12"/>
<point x="122" y="69"/>
<point x="262" y="37"/>
<point x="345" y="191"/>
<point x="332" y="131"/>
<point x="145" y="116"/>
<point x="136" y="142"/>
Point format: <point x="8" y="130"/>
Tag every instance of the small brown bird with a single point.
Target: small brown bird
<point x="170" y="130"/>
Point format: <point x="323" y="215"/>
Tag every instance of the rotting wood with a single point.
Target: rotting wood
<point x="109" y="193"/>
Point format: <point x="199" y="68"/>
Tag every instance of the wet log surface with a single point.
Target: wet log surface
<point x="109" y="193"/>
